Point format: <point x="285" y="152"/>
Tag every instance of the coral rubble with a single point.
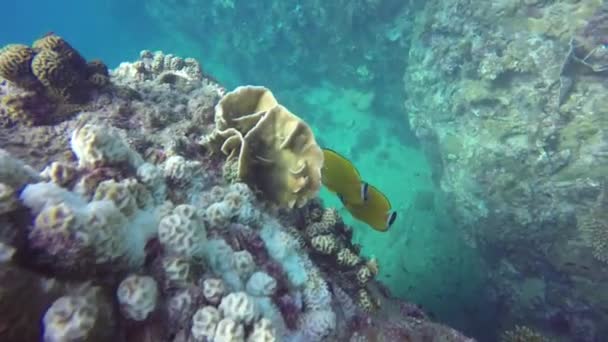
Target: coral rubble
<point x="124" y="223"/>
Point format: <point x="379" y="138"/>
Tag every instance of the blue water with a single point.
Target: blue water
<point x="109" y="30"/>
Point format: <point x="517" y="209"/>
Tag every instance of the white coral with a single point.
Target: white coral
<point x="176" y="270"/>
<point x="213" y="290"/>
<point x="218" y="215"/>
<point x="316" y="292"/>
<point x="183" y="232"/>
<point x="239" y="307"/>
<point x="262" y="332"/>
<point x="8" y="199"/>
<point x="318" y="324"/>
<point x="15" y="173"/>
<point x="96" y="146"/>
<point x="204" y="323"/>
<point x="229" y="330"/>
<point x="243" y="263"/>
<point x="152" y="177"/>
<point x="137" y="296"/>
<point x="118" y="192"/>
<point x="69" y="318"/>
<point x="178" y="168"/>
<point x="261" y="284"/>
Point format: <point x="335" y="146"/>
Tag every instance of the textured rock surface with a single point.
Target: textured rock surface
<point x="516" y="125"/>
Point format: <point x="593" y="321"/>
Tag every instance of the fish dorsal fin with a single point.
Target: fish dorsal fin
<point x="343" y="158"/>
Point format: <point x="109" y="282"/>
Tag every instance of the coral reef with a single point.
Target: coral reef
<point x="125" y="227"/>
<point x="506" y="98"/>
<point x="367" y="34"/>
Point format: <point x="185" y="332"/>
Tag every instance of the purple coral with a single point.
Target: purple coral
<point x="290" y="310"/>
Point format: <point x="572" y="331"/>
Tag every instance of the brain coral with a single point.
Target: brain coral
<point x="277" y="151"/>
<point x="52" y="80"/>
<point x="15" y="61"/>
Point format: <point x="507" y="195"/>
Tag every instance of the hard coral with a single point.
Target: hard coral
<point x="97" y="146"/>
<point x="15" y="65"/>
<point x="204" y="323"/>
<point x="277" y="152"/>
<point x="56" y="80"/>
<point x="86" y="316"/>
<point x="137" y="296"/>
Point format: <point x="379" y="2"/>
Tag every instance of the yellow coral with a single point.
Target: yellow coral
<point x="318" y="228"/>
<point x="348" y="258"/>
<point x="364" y="275"/>
<point x="54" y="72"/>
<point x="366" y="301"/>
<point x="53" y="42"/>
<point x="57" y="80"/>
<point x="277" y="152"/>
<point x="331" y="217"/>
<point x="325" y="244"/>
<point x="15" y="60"/>
<point x="60" y="173"/>
<point x="243" y="108"/>
<point x="20" y="107"/>
<point x="57" y="220"/>
<point x="119" y="193"/>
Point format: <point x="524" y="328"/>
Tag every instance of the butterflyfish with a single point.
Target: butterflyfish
<point x="341" y="177"/>
<point x="376" y="211"/>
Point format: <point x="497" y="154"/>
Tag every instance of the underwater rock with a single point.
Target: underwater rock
<point x="519" y="140"/>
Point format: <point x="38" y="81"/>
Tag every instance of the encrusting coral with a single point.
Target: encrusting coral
<point x="141" y="213"/>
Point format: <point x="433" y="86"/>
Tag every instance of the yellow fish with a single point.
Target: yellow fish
<point x="375" y="211"/>
<point x="340" y="176"/>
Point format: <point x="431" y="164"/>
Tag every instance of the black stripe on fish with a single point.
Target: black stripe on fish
<point x="364" y="191"/>
<point x="391" y="219"/>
